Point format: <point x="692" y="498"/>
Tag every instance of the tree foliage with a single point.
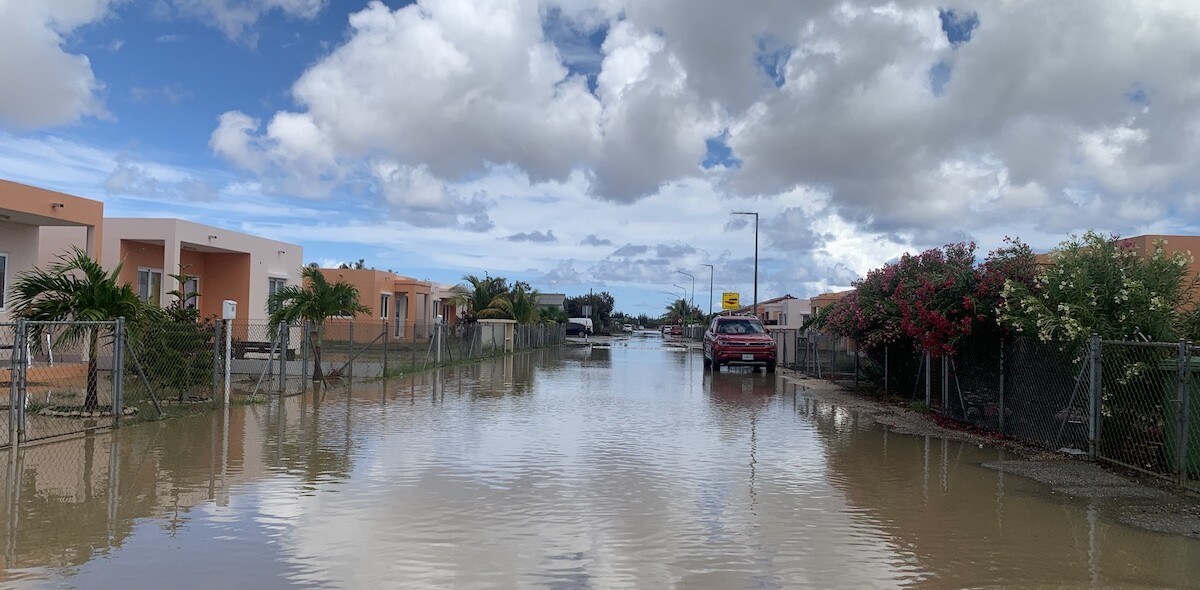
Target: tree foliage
<point x="316" y="301"/>
<point x="1103" y="285"/>
<point x="934" y="298"/>
<point x="75" y="289"/>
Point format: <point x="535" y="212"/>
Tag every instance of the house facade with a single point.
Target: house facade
<point x="406" y="306"/>
<point x="226" y="264"/>
<point x="785" y="312"/>
<point x="29" y="218"/>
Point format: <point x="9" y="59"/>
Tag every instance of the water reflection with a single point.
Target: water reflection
<point x="587" y="467"/>
<point x="965" y="525"/>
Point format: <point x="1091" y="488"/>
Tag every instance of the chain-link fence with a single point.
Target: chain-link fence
<point x="1147" y="408"/>
<point x="1134" y="404"/>
<point x="63" y="378"/>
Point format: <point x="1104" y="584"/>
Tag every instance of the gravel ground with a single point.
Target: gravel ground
<point x="1145" y="504"/>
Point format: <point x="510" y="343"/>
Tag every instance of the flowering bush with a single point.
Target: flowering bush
<point x="934" y="298"/>
<point x="1101" y="284"/>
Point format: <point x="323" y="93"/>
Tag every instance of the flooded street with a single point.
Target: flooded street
<point x="627" y="467"/>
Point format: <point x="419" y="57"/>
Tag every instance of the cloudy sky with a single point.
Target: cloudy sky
<point x="604" y="144"/>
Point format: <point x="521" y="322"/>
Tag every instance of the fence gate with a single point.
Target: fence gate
<point x="1147" y="398"/>
<point x="62" y="377"/>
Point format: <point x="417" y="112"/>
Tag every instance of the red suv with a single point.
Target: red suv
<point x="738" y="340"/>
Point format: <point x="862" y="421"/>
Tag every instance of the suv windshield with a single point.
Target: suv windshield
<point x="740" y="327"/>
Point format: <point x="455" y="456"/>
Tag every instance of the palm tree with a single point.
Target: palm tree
<point x="488" y="298"/>
<point x="317" y="301"/>
<point x="524" y="299"/>
<point x="74" y="289"/>
<point x="680" y="312"/>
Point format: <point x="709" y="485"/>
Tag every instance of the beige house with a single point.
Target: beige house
<point x="785" y="312"/>
<point x="29" y="216"/>
<point x="226" y="264"/>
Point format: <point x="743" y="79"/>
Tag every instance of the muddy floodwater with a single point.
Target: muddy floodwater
<point x="627" y="467"/>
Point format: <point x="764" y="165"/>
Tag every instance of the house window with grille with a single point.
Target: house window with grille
<point x="384" y="304"/>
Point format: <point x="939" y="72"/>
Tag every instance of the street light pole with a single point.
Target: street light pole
<point x="755" y="214"/>
<point x="682" y="319"/>
<point x="692" y="298"/>
<point x="711" y="272"/>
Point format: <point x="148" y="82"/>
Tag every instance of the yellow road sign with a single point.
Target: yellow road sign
<point x="730" y="301"/>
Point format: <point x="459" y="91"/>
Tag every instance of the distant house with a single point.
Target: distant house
<point x="785" y="312"/>
<point x="27" y="216"/>
<point x="558" y="300"/>
<point x="816" y="304"/>
<point x="225" y="264"/>
<point x="405" y="307"/>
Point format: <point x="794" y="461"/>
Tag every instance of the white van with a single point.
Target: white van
<point x="579" y="326"/>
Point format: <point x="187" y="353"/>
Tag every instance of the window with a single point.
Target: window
<point x="191" y="293"/>
<point x="274" y="284"/>
<point x="384" y="300"/>
<point x="150" y="285"/>
<point x="3" y="280"/>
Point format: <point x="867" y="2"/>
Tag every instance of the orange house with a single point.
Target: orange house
<point x="403" y="306"/>
<point x="29" y="219"/>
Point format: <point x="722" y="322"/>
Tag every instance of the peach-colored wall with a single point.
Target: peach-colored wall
<point x="257" y="260"/>
<point x="40" y="207"/>
<point x="135" y="255"/>
<point x="230" y="280"/>
<point x="26" y="212"/>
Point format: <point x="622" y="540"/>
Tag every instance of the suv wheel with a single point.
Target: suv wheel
<point x="770" y="368"/>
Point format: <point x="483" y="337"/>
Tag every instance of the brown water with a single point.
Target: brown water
<point x="585" y="468"/>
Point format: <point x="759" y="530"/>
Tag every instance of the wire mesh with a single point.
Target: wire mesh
<point x="973" y="382"/>
<point x="68" y="377"/>
<point x="1142" y="383"/>
<point x="171" y="363"/>
<point x="1046" y="389"/>
<point x="1188" y="422"/>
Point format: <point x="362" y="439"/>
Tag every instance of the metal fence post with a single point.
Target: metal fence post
<point x="14" y="385"/>
<point x="385" y="346"/>
<point x="20" y="351"/>
<point x="437" y="335"/>
<point x="1094" y="393"/>
<point x="228" y="330"/>
<point x="350" y="345"/>
<point x="118" y="372"/>
<point x="217" y="370"/>
<point x="928" y="383"/>
<point x="283" y="346"/>
<point x="1183" y="368"/>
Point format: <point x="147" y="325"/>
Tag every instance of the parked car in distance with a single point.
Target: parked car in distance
<point x="738" y="340"/>
<point x="627" y="328"/>
<point x="579" y="326"/>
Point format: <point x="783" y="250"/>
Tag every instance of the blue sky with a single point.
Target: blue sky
<point x="602" y="144"/>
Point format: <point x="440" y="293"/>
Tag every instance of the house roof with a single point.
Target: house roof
<point x="552" y="299"/>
